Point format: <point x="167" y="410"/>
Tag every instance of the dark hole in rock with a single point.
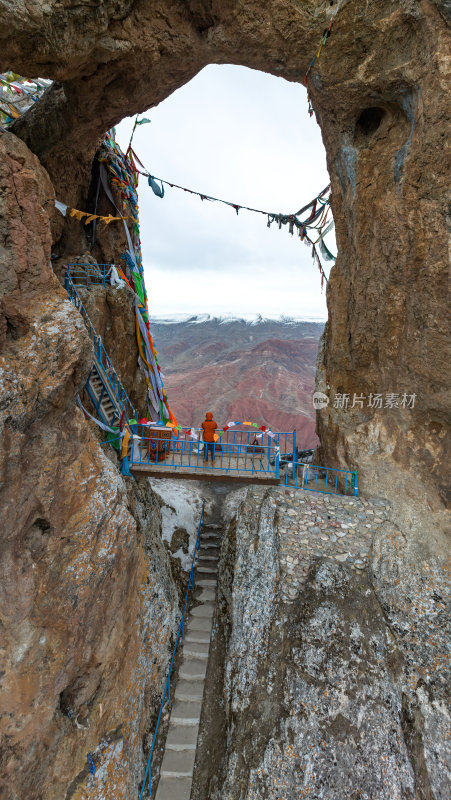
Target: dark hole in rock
<point x="77" y="699"/>
<point x="15" y="328"/>
<point x="368" y="122"/>
<point x="42" y="524"/>
<point x="36" y="538"/>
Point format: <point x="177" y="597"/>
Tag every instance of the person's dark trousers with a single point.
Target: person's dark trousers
<point x="209" y="447"/>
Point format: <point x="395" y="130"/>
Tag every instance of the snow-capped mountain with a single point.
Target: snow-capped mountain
<point x="252" y="368"/>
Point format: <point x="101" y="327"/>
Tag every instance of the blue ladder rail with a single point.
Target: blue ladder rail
<point x="90" y="274"/>
<point x="102" y="362"/>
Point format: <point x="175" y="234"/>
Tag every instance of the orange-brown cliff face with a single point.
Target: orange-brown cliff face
<point x="85" y="615"/>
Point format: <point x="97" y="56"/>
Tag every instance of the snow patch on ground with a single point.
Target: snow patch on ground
<point x="231" y="504"/>
<point x="182" y="509"/>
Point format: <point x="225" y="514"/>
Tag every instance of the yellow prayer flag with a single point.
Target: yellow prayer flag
<point x="74" y="212"/>
<point x="125" y="441"/>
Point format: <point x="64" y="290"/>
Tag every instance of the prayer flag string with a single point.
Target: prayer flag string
<point x="315" y="58"/>
<point x="17" y="95"/>
<point x="318" y="209"/>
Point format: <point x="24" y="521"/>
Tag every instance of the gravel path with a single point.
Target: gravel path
<point x="311" y="524"/>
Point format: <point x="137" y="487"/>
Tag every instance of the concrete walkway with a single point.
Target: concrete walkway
<point x="180" y="752"/>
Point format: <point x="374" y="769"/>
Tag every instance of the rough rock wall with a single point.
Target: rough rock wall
<point x="387" y="330"/>
<point x="335" y="669"/>
<point x="379" y="92"/>
<point x="86" y="594"/>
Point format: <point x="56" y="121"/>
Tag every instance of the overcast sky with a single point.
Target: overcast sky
<point x="244" y="136"/>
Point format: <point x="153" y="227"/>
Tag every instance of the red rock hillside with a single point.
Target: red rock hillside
<point x="263" y="371"/>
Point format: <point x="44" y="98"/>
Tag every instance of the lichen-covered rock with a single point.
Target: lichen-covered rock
<point x="340" y="689"/>
<point x="413" y="590"/>
<point x="87" y="600"/>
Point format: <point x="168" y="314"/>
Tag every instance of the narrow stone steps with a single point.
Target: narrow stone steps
<point x="174" y="789"/>
<point x="190" y="690"/>
<point x="198" y="637"/>
<point x="199" y="624"/>
<point x="182" y="737"/>
<point x="181" y="742"/>
<point x="205" y="610"/>
<point x="193" y="669"/>
<point x="178" y="763"/>
<point x="207" y="596"/>
<point x="204" y="571"/>
<point x="208" y="564"/>
<point x="196" y="649"/>
<point x="186" y="712"/>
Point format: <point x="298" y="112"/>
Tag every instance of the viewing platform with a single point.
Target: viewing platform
<point x="157" y="453"/>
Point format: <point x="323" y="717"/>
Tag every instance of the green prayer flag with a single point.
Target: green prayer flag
<point x="139" y="289"/>
<point x="113" y="438"/>
<point x="142" y="121"/>
<point x="326" y="252"/>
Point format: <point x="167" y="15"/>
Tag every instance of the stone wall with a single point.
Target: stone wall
<point x="335" y="667"/>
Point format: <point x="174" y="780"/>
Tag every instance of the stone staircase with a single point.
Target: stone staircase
<point x="102" y="397"/>
<point x="180" y="752"/>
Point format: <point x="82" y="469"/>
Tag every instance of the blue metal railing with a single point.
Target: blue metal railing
<point x="177" y="454"/>
<point x="284" y="440"/>
<point x="90" y="274"/>
<point x="114" y="382"/>
<point x="167" y="685"/>
<point x="326" y="480"/>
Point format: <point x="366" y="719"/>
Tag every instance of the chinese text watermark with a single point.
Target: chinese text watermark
<point x="371" y="400"/>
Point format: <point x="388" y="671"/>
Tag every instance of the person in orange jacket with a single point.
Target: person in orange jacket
<point x="209" y="426"/>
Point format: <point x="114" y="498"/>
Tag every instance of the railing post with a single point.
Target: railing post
<point x="295" y="454"/>
<point x="277" y="463"/>
<point x="87" y="276"/>
<point x="66" y="280"/>
<point x="356" y="483"/>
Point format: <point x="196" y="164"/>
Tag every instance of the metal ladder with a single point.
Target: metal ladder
<point x="103" y="386"/>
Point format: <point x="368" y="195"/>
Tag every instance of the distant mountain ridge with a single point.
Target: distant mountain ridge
<point x="253" y="368"/>
<point x="249" y="319"/>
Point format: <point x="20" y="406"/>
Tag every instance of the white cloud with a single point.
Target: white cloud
<point x="244" y="136"/>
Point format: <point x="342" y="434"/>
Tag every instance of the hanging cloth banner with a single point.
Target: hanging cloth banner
<point x="159" y="191"/>
<point x="325" y="252"/>
<point x="84" y="215"/>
